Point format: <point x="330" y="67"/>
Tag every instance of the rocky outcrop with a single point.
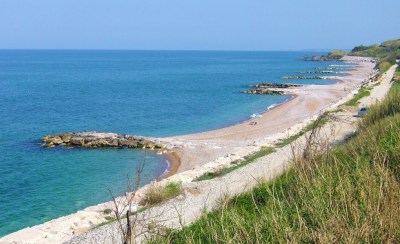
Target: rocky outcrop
<point x="269" y="88"/>
<point x="275" y="85"/>
<point x="263" y="91"/>
<point x="97" y="139"/>
<point x="321" y="72"/>
<point x="300" y="77"/>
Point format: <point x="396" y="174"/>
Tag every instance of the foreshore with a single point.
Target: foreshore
<point x="174" y="162"/>
<point x="193" y="155"/>
<point x="306" y="102"/>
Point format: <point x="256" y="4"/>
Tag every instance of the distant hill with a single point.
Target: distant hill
<point x="380" y="51"/>
<point x="335" y="55"/>
<point x="387" y="52"/>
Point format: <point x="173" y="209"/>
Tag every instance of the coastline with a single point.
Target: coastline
<point x="214" y="149"/>
<point x="174" y="162"/>
<point x="306" y="102"/>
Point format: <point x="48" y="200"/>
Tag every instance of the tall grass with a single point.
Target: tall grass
<point x="384" y="66"/>
<point x="388" y="107"/>
<point x="348" y="194"/>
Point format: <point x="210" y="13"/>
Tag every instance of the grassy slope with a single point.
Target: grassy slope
<point x="380" y="51"/>
<point x="348" y="194"/>
<point x="386" y="52"/>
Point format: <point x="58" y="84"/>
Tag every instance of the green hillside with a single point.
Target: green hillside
<point x="382" y="50"/>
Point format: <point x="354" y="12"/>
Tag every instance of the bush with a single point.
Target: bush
<point x="384" y="66"/>
<point x="336" y="54"/>
<point x="360" y="48"/>
<point x="380" y="51"/>
<point x="156" y="195"/>
<point x="391" y="58"/>
<point x="391" y="43"/>
<point x="172" y="189"/>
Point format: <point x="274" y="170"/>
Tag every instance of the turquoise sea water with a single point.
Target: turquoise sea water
<point x="151" y="93"/>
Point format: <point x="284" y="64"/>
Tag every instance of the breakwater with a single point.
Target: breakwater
<point x="269" y="88"/>
<point x="98" y="139"/>
<point x="321" y="72"/>
<point x="301" y="77"/>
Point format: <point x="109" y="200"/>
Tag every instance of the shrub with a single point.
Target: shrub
<point x="172" y="189"/>
<point x="360" y="48"/>
<point x="391" y="58"/>
<point x="384" y="66"/>
<point x="156" y="194"/>
<point x="336" y="54"/>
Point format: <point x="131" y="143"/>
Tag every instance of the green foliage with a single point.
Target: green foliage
<point x="156" y="195"/>
<point x="374" y="51"/>
<point x="350" y="194"/>
<point x="249" y="159"/>
<point x="361" y="48"/>
<point x="363" y="92"/>
<point x="107" y="211"/>
<point x="397" y="75"/>
<point x="172" y="189"/>
<point x="391" y="43"/>
<point x="388" y="107"/>
<point x="384" y="66"/>
<point x="336" y="54"/>
<point x="391" y="58"/>
<point x="289" y="140"/>
<point x="380" y="51"/>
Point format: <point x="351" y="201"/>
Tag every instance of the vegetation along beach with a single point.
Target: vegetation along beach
<point x="224" y="129"/>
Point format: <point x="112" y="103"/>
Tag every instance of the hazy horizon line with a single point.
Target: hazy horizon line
<point x="189" y="50"/>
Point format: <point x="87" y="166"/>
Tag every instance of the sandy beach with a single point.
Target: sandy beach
<point x="307" y="101"/>
<point x="192" y="155"/>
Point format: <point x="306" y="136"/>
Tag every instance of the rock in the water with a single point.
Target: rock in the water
<point x="96" y="139"/>
<point x="269" y="88"/>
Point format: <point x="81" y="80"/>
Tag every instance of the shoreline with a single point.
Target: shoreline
<point x="173" y="158"/>
<point x="174" y="162"/>
<point x="193" y="154"/>
<point x="198" y="149"/>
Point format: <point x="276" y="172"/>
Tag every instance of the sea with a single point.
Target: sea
<point x="149" y="93"/>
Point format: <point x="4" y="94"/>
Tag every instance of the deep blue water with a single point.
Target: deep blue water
<point x="151" y="93"/>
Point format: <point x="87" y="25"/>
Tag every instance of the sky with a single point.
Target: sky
<point x="197" y="24"/>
